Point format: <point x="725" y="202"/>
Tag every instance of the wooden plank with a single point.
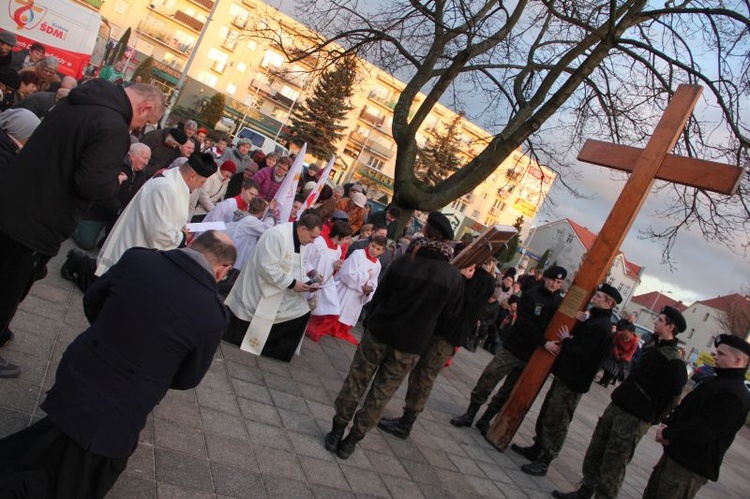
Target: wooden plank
<point x="598" y="260"/>
<point x="703" y="174"/>
<point x="489" y="242"/>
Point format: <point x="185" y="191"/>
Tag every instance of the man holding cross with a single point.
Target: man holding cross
<point x="643" y="399"/>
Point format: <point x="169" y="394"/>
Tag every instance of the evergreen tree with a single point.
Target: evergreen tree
<point x="214" y="110"/>
<point x="543" y="259"/>
<point x="145" y="70"/>
<point x="118" y="51"/>
<point x="508" y="253"/>
<point x="316" y="120"/>
<point x="440" y="157"/>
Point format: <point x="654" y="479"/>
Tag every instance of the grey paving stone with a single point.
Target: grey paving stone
<point x="478" y="454"/>
<point x="374" y="441"/>
<point x="283" y="487"/>
<point x="267" y="435"/>
<point x="238" y="453"/>
<point x="283" y="400"/>
<point x="147" y="433"/>
<point x="132" y="487"/>
<point x="237" y="482"/>
<point x="223" y="424"/>
<point x="484" y="487"/>
<point x="455" y="484"/>
<point x="467" y="466"/>
<point x="183" y="470"/>
<point x="169" y="491"/>
<point x="402" y="488"/>
<point x="33" y="368"/>
<point x="494" y="472"/>
<point x="405" y="449"/>
<point x="440" y="459"/>
<point x="322" y="492"/>
<point x="12" y="421"/>
<point x="315" y="393"/>
<point x="321" y="410"/>
<point x="386" y="464"/>
<point x="218" y="382"/>
<point x="259" y="412"/>
<point x="244" y="372"/>
<point x="33" y="344"/>
<point x="421" y="472"/>
<point x="283" y="383"/>
<point x="233" y="353"/>
<point x="309" y="445"/>
<point x="358" y="459"/>
<point x="299" y="422"/>
<point x="513" y="491"/>
<point x="268" y="365"/>
<point x="217" y="400"/>
<point x="251" y="391"/>
<point x="44" y="308"/>
<point x="521" y="479"/>
<point x="17" y="394"/>
<point x="180" y="411"/>
<point x="141" y="463"/>
<point x="327" y="473"/>
<point x="28" y="321"/>
<point x="435" y="491"/>
<point x="177" y="437"/>
<point x="279" y="463"/>
<point x="304" y="376"/>
<point x="365" y="482"/>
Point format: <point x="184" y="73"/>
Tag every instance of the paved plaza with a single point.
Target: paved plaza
<point x="255" y="427"/>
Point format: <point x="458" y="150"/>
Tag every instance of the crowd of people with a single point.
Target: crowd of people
<point x="116" y="182"/>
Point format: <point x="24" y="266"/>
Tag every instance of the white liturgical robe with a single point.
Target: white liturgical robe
<point x="357" y="271"/>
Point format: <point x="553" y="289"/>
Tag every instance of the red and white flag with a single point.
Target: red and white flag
<point x="315" y="193"/>
<point x="285" y="195"/>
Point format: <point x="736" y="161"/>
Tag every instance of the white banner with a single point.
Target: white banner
<point x="285" y="195"/>
<point x="315" y="193"/>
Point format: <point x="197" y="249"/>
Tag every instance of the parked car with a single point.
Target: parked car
<point x="260" y="141"/>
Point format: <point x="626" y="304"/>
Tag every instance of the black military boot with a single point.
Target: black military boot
<point x="538" y="467"/>
<point x="467" y="418"/>
<point x="346" y="447"/>
<point x="582" y="493"/>
<point x="532" y="452"/>
<point x="400" y="427"/>
<point x="333" y="438"/>
<point x="484" y="422"/>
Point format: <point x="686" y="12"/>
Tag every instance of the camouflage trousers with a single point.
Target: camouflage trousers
<point x="611" y="448"/>
<point x="424" y="374"/>
<point x="670" y="480"/>
<point x="554" y="418"/>
<point x="386" y="367"/>
<point x="503" y="365"/>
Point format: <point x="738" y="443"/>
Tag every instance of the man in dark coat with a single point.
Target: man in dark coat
<point x="642" y="400"/>
<point x="114" y="373"/>
<point x="576" y="366"/>
<point x="535" y="310"/>
<point x="419" y="290"/>
<point x="165" y="147"/>
<point x="478" y="288"/>
<point x="700" y="430"/>
<point x="72" y="159"/>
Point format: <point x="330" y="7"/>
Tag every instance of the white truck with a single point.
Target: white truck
<point x="76" y="35"/>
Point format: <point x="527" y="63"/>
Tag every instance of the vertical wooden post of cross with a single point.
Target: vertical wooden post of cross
<point x="646" y="166"/>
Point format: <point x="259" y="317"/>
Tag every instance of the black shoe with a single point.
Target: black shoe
<point x="399" y="427"/>
<point x="537" y="468"/>
<point x="483" y="425"/>
<point x="333" y="438"/>
<point x="8" y="370"/>
<point x="466" y="419"/>
<point x="74" y="255"/>
<point x="581" y="493"/>
<point x="347" y="446"/>
<point x="532" y="452"/>
<point x="6" y="338"/>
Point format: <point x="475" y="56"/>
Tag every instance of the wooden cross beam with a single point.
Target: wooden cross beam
<point x="646" y="165"/>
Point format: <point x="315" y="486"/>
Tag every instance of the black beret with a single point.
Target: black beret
<point x="679" y="321"/>
<point x="555" y="272"/>
<point x="203" y="164"/>
<point x="10" y="78"/>
<point x="178" y="135"/>
<point x="610" y="291"/>
<point x="440" y="222"/>
<point x="734" y="342"/>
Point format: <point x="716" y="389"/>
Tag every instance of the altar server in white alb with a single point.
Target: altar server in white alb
<point x="158" y="213"/>
<point x="269" y="309"/>
<point x="246" y="232"/>
<point x="326" y="258"/>
<point x="356" y="284"/>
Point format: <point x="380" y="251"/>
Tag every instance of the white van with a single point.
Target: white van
<point x="260" y="141"/>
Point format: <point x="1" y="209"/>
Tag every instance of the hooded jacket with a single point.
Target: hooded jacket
<point x="72" y="159"/>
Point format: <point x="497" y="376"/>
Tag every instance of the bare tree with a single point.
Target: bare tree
<point x="548" y="74"/>
<point x="735" y="319"/>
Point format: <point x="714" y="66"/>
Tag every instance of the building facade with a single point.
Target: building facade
<point x="709" y="318"/>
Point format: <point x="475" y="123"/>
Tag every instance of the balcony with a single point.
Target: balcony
<point x="166" y="39"/>
<point x="371" y="118"/>
<point x="383" y="101"/>
<point x="270" y="91"/>
<point x="240" y="22"/>
<point x="219" y="66"/>
<point x="283" y="99"/>
<point x="296" y="78"/>
<point x="229" y="44"/>
<point x="181" y="18"/>
<point x="206" y="4"/>
<point x="383" y="150"/>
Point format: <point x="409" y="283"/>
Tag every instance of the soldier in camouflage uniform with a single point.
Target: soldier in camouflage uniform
<point x="643" y="399"/>
<point x="417" y="291"/>
<point x="478" y="287"/>
<point x="536" y="308"/>
<point x="575" y="368"/>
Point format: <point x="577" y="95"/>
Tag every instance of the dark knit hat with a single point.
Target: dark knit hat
<point x="610" y="291"/>
<point x="676" y="316"/>
<point x="734" y="342"/>
<point x="203" y="164"/>
<point x="340" y="215"/>
<point x="440" y="222"/>
<point x="178" y="135"/>
<point x="10" y="78"/>
<point x="229" y="166"/>
<point x="555" y="272"/>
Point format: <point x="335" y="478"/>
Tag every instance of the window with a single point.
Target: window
<point x="289" y="92"/>
<point x="569" y="239"/>
<point x="208" y="79"/>
<point x="375" y="163"/>
<point x="122" y="7"/>
<point x="705" y="318"/>
<point x="241" y="67"/>
<point x="691" y="333"/>
<point x="710" y="342"/>
<point x="272" y="59"/>
<point x="231" y="89"/>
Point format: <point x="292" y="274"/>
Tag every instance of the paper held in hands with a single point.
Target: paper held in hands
<point x="483" y="247"/>
<point x="204" y="226"/>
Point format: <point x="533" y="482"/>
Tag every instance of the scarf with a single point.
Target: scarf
<point x="373" y="259"/>
<point x="241" y="204"/>
<point x="441" y="248"/>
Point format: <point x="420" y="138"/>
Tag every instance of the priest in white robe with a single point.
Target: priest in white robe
<point x="269" y="309"/>
<point x="157" y="215"/>
<point x="327" y="259"/>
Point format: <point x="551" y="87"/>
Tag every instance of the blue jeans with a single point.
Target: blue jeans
<point x="87" y="233"/>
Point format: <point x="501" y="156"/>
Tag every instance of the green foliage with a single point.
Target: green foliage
<point x="439" y="158"/>
<point x="316" y="120"/>
<point x="118" y="51"/>
<point x="214" y="110"/>
<point x="543" y="259"/>
<point x="145" y="70"/>
<point x="508" y="253"/>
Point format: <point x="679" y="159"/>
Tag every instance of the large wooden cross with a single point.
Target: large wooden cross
<point x="647" y="164"/>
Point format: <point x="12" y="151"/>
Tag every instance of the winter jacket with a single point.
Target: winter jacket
<point x="536" y="308"/>
<point x="477" y="291"/>
<point x="72" y="159"/>
<point x="266" y="183"/>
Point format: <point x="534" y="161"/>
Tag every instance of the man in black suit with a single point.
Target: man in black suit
<point x="156" y="322"/>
